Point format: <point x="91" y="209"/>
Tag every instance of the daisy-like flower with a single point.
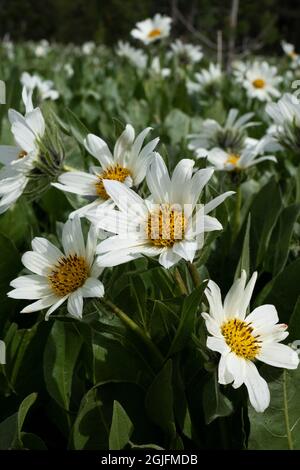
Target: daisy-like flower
<point x="231" y="137"/>
<point x="19" y="160"/>
<point x="44" y="87"/>
<point x="289" y="50"/>
<point x="42" y="48"/>
<point x="186" y="53"/>
<point x="241" y="339"/>
<point x="2" y="352"/>
<point x="238" y="161"/>
<point x="136" y="57"/>
<point x="260" y="81"/>
<point x="88" y="47"/>
<point x="205" y="79"/>
<point x="170" y="224"/>
<point x="151" y="30"/>
<point x="128" y="164"/>
<point x="59" y="276"/>
<point x="286" y="118"/>
<point x="157" y="70"/>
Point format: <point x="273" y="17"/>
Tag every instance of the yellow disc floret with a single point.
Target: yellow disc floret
<point x="68" y="275"/>
<point x="239" y="337"/>
<point x="166" y="226"/>
<point x="259" y="83"/>
<point x="155" y="33"/>
<point x="114" y="172"/>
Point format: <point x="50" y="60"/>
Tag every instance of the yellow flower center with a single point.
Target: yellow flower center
<point x="68" y="275"/>
<point x="239" y="337"/>
<point x="233" y="159"/>
<point x="155" y="33"/>
<point x="293" y="55"/>
<point x="259" y="83"/>
<point x="22" y="154"/>
<point x="166" y="226"/>
<point x="115" y="172"/>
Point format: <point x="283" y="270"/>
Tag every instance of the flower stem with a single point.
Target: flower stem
<point x="194" y="273"/>
<point x="180" y="282"/>
<point x="133" y="326"/>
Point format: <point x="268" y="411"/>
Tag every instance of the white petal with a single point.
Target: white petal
<point x="263" y="316"/>
<point x="72" y="238"/>
<point x="99" y="149"/>
<point x="92" y="288"/>
<point x="125" y="198"/>
<point x="123" y="143"/>
<point x="212" y="326"/>
<point x="181" y="175"/>
<point x="168" y="258"/>
<point x="158" y="179"/>
<point x="258" y="390"/>
<point x="211" y="205"/>
<point x="236" y="366"/>
<point x="224" y="376"/>
<point x="247" y="295"/>
<point x="36" y="263"/>
<point x="47" y="249"/>
<point x="213" y="295"/>
<point x="75" y="304"/>
<point x="40" y="304"/>
<point x="217" y="344"/>
<point x="279" y="355"/>
<point x="186" y="249"/>
<point x="55" y="307"/>
<point x="8" y="153"/>
<point x="77" y="182"/>
<point x="234" y="297"/>
<point x="36" y="122"/>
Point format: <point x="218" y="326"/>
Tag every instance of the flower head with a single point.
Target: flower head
<point x="151" y="30"/>
<point x="137" y="57"/>
<point x="289" y="50"/>
<point x="205" y="79"/>
<point x="128" y="165"/>
<point x="44" y="87"/>
<point x="59" y="276"/>
<point x="260" y="80"/>
<point x="241" y="339"/>
<point x="286" y="118"/>
<point x="186" y="53"/>
<point x="169" y="224"/>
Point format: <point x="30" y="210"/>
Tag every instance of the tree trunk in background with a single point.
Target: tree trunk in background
<point x="232" y="32"/>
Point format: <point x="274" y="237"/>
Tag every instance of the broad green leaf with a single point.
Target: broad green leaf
<point x="187" y="320"/>
<point x="278" y="428"/>
<point x="60" y="358"/>
<point x="215" y="404"/>
<point x="244" y="262"/>
<point x="294" y="323"/>
<point x="177" y="124"/>
<point x="121" y="428"/>
<point x="77" y="128"/>
<point x="159" y="401"/>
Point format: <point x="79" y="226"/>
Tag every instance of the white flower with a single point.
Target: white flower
<point x="151" y="30"/>
<point x="2" y="352"/>
<point x="42" y="49"/>
<point x="205" y="78"/>
<point x="286" y="117"/>
<point x="231" y="136"/>
<point x="169" y="224"/>
<point x="44" y="87"/>
<point x="88" y="47"/>
<point x="136" y="56"/>
<point x="186" y="52"/>
<point x="156" y="69"/>
<point x="18" y="161"/>
<point x="247" y="157"/>
<point x="128" y="164"/>
<point x="242" y="338"/>
<point x="69" y="70"/>
<point x="289" y="50"/>
<point x="260" y="81"/>
<point x="59" y="276"/>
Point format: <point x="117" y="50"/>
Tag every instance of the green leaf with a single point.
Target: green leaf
<point x="60" y="358"/>
<point x="11" y="427"/>
<point x="121" y="428"/>
<point x="281" y="237"/>
<point x="77" y="128"/>
<point x="159" y="401"/>
<point x="31" y="441"/>
<point x="177" y="124"/>
<point x="279" y="426"/>
<point x="244" y="262"/>
<point x="187" y="320"/>
<point x="215" y="404"/>
<point x="294" y="323"/>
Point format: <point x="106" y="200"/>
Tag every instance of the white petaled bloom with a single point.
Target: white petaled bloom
<point x="44" y="87"/>
<point x="42" y="48"/>
<point x="19" y="160"/>
<point x="186" y="53"/>
<point x="151" y="30"/>
<point x="261" y="81"/>
<point x="170" y="224"/>
<point x="59" y="276"/>
<point x="289" y="50"/>
<point x="128" y="164"/>
<point x="205" y="79"/>
<point x="241" y="339"/>
<point x="136" y="57"/>
<point x="88" y="47"/>
<point x="246" y="158"/>
<point x="286" y="118"/>
<point x="69" y="70"/>
<point x="231" y="136"/>
<point x="157" y="70"/>
<point x="2" y="352"/>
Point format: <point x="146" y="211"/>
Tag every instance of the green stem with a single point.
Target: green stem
<point x="286" y="414"/>
<point x="237" y="212"/>
<point x="133" y="326"/>
<point x="194" y="273"/>
<point x="180" y="282"/>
